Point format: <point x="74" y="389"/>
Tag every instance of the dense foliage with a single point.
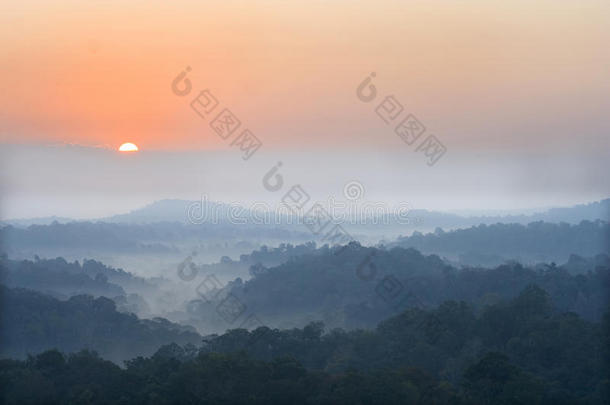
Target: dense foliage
<point x="532" y="243"/>
<point x="561" y="349"/>
<point x="358" y="286"/>
<point x="61" y="278"/>
<point x="157" y="238"/>
<point x="207" y="379"/>
<point x="517" y="352"/>
<point x="252" y="263"/>
<point x="31" y="322"/>
<point x="344" y="324"/>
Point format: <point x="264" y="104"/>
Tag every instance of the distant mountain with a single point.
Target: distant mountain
<point x="210" y="211"/>
<point x="599" y="210"/>
<point x="170" y="211"/>
<point x="482" y="245"/>
<point x="577" y="213"/>
<point x="491" y="245"/>
<point x="218" y="213"/>
<point x="190" y="212"/>
<point x="572" y="215"/>
<point x="83" y="235"/>
<point x="78" y="239"/>
<point x="25" y="222"/>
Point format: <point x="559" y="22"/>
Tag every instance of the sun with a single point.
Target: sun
<point x="128" y="147"/>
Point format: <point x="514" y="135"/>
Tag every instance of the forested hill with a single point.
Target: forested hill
<point x="493" y="244"/>
<point x="32" y="322"/>
<point x="356" y="286"/>
<point x="63" y="279"/>
<point x="445" y="341"/>
<point x="159" y="237"/>
<point x="483" y="245"/>
<point x="520" y="351"/>
<point x="174" y="210"/>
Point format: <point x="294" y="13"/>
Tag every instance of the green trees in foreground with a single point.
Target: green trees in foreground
<point x="213" y="378"/>
<point x="516" y="352"/>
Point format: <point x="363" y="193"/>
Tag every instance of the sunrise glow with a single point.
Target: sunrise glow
<point x="128" y="147"/>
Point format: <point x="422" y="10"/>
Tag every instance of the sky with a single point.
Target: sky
<point x="517" y="92"/>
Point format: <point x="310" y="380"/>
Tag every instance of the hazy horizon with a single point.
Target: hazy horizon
<point x="517" y="94"/>
<point x="80" y="182"/>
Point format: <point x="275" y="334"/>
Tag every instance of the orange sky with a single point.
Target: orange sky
<point x="479" y="73"/>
